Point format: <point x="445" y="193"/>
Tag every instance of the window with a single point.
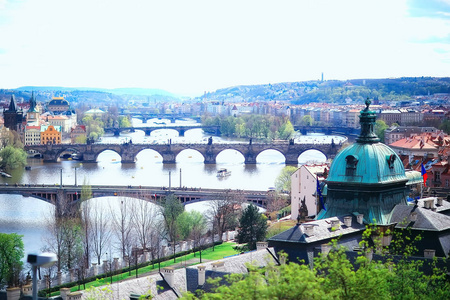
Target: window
<point x="350" y="169"/>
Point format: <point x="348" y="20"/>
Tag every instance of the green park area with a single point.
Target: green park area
<point x="209" y="254"/>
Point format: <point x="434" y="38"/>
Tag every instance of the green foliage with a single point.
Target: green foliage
<point x="124" y="122"/>
<point x="380" y="128"/>
<point x="98" y="293"/>
<point x="94" y="127"/>
<point x="283" y="181"/>
<point x="307" y="121"/>
<point x="86" y="191"/>
<point x="252" y="126"/>
<point x="11" y="255"/>
<point x="252" y="227"/>
<point x="171" y="209"/>
<point x="12" y="157"/>
<point x="334" y="276"/>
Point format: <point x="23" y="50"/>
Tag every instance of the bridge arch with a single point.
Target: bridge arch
<point x="236" y="156"/>
<point x="312" y="155"/>
<point x="193" y="154"/>
<point x="106" y="150"/>
<point x="272" y="153"/>
<point x="150" y="154"/>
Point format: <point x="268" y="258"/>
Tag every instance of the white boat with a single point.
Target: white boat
<point x="223" y="173"/>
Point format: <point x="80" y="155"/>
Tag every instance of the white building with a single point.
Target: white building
<point x="32" y="135"/>
<point x="304" y="187"/>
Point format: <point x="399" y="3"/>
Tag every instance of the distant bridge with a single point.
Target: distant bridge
<point x="144" y="116"/>
<point x="180" y="128"/>
<point x="169" y="152"/>
<point x="328" y="130"/>
<point x="57" y="194"/>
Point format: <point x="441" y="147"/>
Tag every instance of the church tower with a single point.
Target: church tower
<point x="33" y="111"/>
<point x="13" y="116"/>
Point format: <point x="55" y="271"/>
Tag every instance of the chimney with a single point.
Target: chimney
<point x="201" y="275"/>
<point x="169" y="274"/>
<point x="429" y="253"/>
<point x="440" y="201"/>
<point x="428" y="203"/>
<point x="360" y="219"/>
<point x="413" y="216"/>
<point x="261" y="245"/>
<point x="348" y="221"/>
<point x="325" y="248"/>
<point x="308" y="229"/>
<point x="218" y="266"/>
<point x="335" y="224"/>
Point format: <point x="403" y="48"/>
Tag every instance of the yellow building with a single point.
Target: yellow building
<point x="50" y="134"/>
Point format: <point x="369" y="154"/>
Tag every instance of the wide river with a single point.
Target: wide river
<point x="26" y="216"/>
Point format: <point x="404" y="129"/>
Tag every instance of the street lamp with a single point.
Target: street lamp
<point x="75" y="176"/>
<point x="60" y="177"/>
<point x="42" y="260"/>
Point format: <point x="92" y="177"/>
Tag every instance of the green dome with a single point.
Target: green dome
<point x="367" y="164"/>
<point x="365" y="178"/>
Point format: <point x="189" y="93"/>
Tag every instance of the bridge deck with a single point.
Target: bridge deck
<point x="50" y="193"/>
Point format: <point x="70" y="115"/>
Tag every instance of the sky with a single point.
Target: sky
<point x="188" y="47"/>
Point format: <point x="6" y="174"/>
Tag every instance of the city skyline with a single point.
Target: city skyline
<point x="188" y="47"/>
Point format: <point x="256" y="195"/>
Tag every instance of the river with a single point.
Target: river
<point x="26" y="216"/>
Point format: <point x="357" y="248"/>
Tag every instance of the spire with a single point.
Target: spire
<point x="32" y="103"/>
<point x="367" y="121"/>
<point x="12" y="104"/>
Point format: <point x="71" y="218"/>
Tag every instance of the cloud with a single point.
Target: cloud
<point x="429" y="8"/>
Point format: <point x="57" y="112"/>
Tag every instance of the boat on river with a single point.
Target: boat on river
<point x="223" y="173"/>
<point x="4" y="174"/>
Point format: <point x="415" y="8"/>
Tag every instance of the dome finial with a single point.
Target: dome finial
<point x="368" y="103"/>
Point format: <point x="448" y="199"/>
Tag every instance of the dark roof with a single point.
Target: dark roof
<point x="58" y="102"/>
<point x="426" y="218"/>
<point x="322" y="231"/>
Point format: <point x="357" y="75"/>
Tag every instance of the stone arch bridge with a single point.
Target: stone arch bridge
<point x="169" y="152"/>
<point x="58" y="195"/>
<point x="181" y="129"/>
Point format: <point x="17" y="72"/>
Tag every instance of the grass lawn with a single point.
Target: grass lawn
<point x="279" y="227"/>
<point x="220" y="251"/>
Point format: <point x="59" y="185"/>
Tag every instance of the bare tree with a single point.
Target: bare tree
<point x="144" y="220"/>
<point x="123" y="227"/>
<point x="224" y="211"/>
<point x="100" y="229"/>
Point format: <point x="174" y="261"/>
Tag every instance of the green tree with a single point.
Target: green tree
<point x="171" y="208"/>
<point x="380" y="128"/>
<point x="286" y="130"/>
<point x="283" y="181"/>
<point x="124" y="122"/>
<point x="12" y="157"/>
<point x="11" y="255"/>
<point x="252" y="227"/>
<point x="306" y="121"/>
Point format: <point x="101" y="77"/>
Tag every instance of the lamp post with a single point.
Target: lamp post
<point x="75" y="176"/>
<point x="60" y="179"/>
<point x="42" y="260"/>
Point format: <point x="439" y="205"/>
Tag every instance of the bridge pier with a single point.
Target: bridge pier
<point x="250" y="158"/>
<point x="116" y="132"/>
<point x="181" y="132"/>
<point x="148" y="132"/>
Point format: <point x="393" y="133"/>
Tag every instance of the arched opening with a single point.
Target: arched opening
<point x="312" y="156"/>
<point x="270" y="157"/>
<point x="230" y="156"/>
<point x="69" y="154"/>
<point x="189" y="156"/>
<point x="148" y="156"/>
<point x="108" y="157"/>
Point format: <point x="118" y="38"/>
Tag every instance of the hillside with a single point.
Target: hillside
<point x="334" y="91"/>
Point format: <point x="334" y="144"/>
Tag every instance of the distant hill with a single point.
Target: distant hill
<point x="334" y="91"/>
<point x="118" y="91"/>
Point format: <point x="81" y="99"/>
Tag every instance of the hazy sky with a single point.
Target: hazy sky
<point x="188" y="47"/>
